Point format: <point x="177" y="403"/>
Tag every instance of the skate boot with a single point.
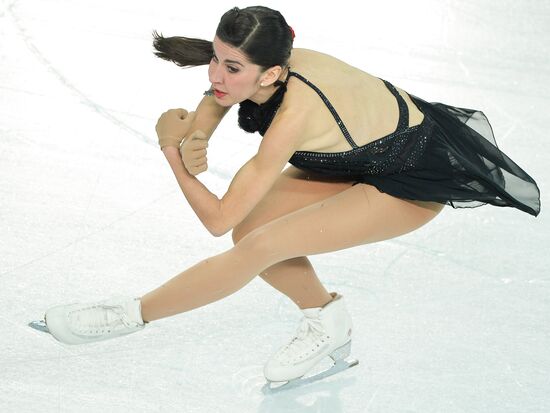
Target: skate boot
<point x="87" y="323"/>
<point x="324" y="331"/>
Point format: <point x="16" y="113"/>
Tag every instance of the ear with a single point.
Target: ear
<point x="271" y="75"/>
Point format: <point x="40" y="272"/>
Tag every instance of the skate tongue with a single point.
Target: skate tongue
<point x="315" y="311"/>
<point x="95" y="319"/>
<point x="134" y="310"/>
<point x="312" y="312"/>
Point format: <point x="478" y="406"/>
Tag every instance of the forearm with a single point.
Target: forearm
<point x="205" y="204"/>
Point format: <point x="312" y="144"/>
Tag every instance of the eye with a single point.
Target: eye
<point x="230" y="69"/>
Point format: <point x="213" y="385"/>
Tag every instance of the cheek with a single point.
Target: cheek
<point x="235" y="85"/>
<point x="245" y="82"/>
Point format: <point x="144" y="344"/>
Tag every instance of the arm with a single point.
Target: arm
<point x="249" y="185"/>
<point x="208" y="116"/>
<point x="175" y="125"/>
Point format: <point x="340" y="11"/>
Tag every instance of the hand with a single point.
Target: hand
<point x="172" y="126"/>
<point x="193" y="152"/>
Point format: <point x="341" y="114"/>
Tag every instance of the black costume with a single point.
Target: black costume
<point x="451" y="157"/>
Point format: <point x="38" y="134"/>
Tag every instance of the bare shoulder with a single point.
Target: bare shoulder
<point x="302" y="56"/>
<point x="316" y="64"/>
<point x="327" y="73"/>
<point x="361" y="100"/>
<point x="330" y="74"/>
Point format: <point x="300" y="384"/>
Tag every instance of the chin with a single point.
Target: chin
<point x="225" y="102"/>
<point x="230" y="101"/>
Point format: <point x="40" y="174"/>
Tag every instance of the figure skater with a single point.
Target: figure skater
<point x="369" y="162"/>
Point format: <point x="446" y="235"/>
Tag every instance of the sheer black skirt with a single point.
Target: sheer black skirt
<point x="461" y="165"/>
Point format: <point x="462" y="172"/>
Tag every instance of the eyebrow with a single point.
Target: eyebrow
<point x="228" y="60"/>
<point x="233" y="61"/>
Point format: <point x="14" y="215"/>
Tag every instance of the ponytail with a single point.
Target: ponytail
<point x="183" y="51"/>
<point x="261" y="33"/>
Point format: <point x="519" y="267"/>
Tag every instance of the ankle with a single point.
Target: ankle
<point x="317" y="303"/>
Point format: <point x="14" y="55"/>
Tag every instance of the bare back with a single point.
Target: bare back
<point x="364" y="103"/>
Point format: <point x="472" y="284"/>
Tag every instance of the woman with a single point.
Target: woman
<point x="370" y="162"/>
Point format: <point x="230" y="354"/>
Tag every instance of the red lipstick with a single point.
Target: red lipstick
<point x="219" y="94"/>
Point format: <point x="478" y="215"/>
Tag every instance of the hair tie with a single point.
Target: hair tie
<point x="292" y="32"/>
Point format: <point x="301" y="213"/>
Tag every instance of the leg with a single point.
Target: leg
<point x="355" y="216"/>
<point x="294" y="190"/>
<point x="296" y="278"/>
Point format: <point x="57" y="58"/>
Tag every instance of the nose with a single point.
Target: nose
<point x="215" y="74"/>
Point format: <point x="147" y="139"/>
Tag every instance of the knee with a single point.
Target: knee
<point x="238" y="233"/>
<point x="261" y="244"/>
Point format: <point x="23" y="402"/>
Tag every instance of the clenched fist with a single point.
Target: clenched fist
<point x="172" y="126"/>
<point x="193" y="152"/>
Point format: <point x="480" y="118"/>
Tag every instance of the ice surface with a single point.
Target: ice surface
<point x="454" y="317"/>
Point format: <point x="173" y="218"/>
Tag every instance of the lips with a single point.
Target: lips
<point x="219" y="94"/>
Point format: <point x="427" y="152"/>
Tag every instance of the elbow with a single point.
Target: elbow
<point x="220" y="223"/>
<point x="218" y="229"/>
<point x="216" y="233"/>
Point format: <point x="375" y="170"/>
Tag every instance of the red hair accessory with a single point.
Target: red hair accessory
<point x="292" y="32"/>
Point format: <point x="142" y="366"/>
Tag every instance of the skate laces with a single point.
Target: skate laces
<point x="98" y="318"/>
<point x="309" y="326"/>
<point x="308" y="333"/>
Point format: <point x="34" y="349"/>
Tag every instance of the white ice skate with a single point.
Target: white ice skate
<point x="324" y="331"/>
<point x="87" y="323"/>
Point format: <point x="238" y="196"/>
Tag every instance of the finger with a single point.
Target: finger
<point x="199" y="147"/>
<point x="198" y="135"/>
<point x="198" y="162"/>
<point x="197" y="144"/>
<point x="181" y="113"/>
<point x="201" y="165"/>
<point x="197" y="171"/>
<point x="197" y="159"/>
<point x="190" y="116"/>
<point x="198" y="140"/>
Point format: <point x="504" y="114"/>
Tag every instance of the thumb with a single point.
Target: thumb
<point x="182" y="113"/>
<point x="198" y="134"/>
<point x="190" y="116"/>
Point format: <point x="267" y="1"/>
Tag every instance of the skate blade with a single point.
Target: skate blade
<point x="39" y="325"/>
<point x="272" y="387"/>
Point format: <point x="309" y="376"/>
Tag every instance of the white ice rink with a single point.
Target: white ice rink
<point x="454" y="317"/>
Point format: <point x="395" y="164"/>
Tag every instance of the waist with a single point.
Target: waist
<point x="396" y="151"/>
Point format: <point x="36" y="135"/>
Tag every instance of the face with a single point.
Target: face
<point x="234" y="78"/>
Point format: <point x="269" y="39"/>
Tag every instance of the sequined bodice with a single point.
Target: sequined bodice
<point x="398" y="151"/>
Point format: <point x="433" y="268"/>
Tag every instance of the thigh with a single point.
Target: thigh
<point x="358" y="215"/>
<point x="293" y="190"/>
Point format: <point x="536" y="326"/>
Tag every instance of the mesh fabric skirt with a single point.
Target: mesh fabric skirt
<point x="461" y="165"/>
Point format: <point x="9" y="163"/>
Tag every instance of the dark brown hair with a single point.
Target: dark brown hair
<point x="261" y="33"/>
